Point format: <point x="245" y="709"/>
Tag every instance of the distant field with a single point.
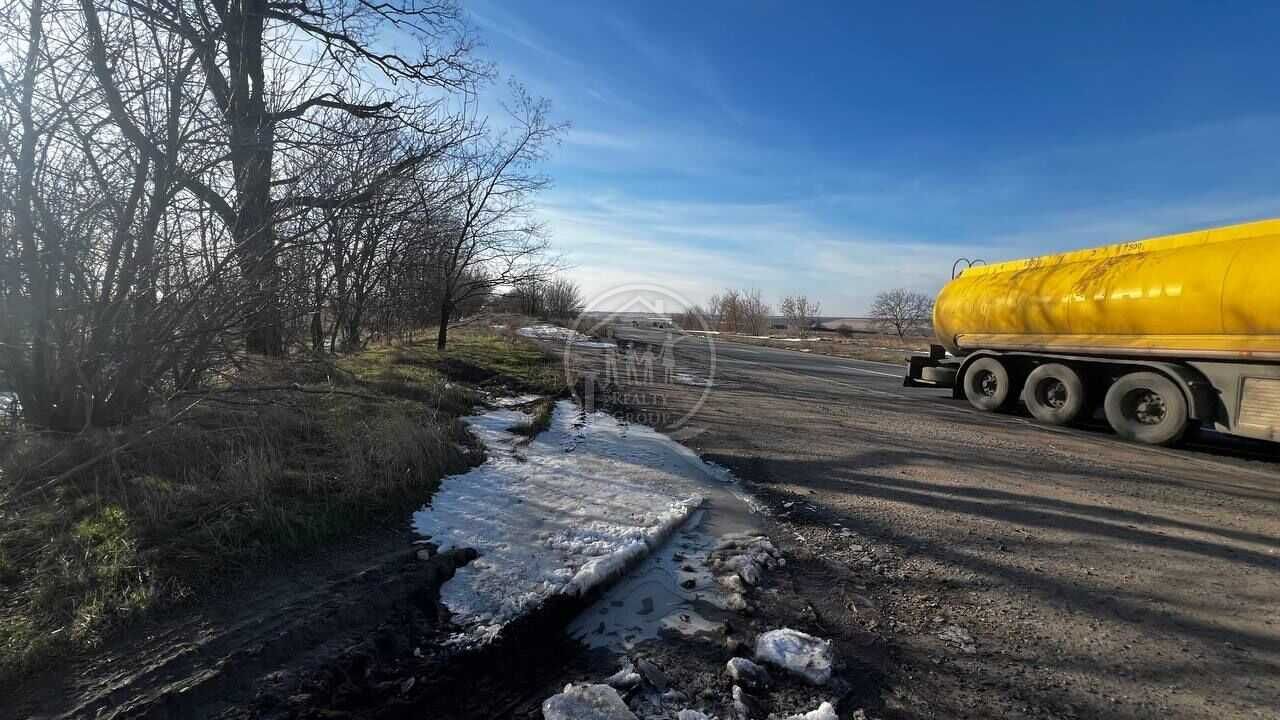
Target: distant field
<point x="863" y="346"/>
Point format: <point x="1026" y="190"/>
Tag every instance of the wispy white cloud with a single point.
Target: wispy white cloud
<point x="600" y="139"/>
<point x="697" y="248"/>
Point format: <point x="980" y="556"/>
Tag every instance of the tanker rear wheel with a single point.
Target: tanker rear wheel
<point x="988" y="385"/>
<point x="1054" y="394"/>
<point x="1147" y="407"/>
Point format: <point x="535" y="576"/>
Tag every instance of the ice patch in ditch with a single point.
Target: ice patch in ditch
<point x="574" y="508"/>
<point x="555" y="332"/>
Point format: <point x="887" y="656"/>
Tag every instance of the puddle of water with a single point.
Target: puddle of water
<point x="672" y="592"/>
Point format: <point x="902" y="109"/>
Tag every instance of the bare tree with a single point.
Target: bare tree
<point x="902" y="311"/>
<point x="490" y="228"/>
<point x="562" y="299"/>
<point x="730" y="311"/>
<point x="800" y="313"/>
<point x="527" y="297"/>
<point x="755" y="312"/>
<point x="740" y="311"/>
<point x="269" y="67"/>
<point x="694" y="318"/>
<point x="102" y="310"/>
<point x="712" y="312"/>
<point x="185" y="180"/>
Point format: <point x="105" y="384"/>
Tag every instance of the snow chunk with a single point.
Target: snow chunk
<point x="802" y="654"/>
<point x="570" y="510"/>
<point x="624" y="679"/>
<point x="744" y="672"/>
<point x="586" y="702"/>
<point x="691" y="715"/>
<point x="825" y="711"/>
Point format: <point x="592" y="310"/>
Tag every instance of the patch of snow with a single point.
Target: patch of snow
<point x="513" y="401"/>
<point x="624" y="679"/>
<point x="742" y="559"/>
<point x="691" y="715"/>
<point x="825" y="711"/>
<point x="681" y="378"/>
<point x="805" y="655"/>
<point x="570" y="510"/>
<point x="586" y="702"/>
<point x="567" y="335"/>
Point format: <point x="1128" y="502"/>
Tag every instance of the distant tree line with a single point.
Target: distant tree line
<point x="800" y="313"/>
<point x="183" y="182"/>
<point x="556" y="299"/>
<point x="735" y="311"/>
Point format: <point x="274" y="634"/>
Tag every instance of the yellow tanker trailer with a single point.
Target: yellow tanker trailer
<point x="1164" y="334"/>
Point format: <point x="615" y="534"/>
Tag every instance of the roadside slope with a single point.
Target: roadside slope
<point x="267" y="540"/>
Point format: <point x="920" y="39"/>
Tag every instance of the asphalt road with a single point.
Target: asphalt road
<point x="703" y="350"/>
<point x="1093" y="578"/>
<point x="723" y="358"/>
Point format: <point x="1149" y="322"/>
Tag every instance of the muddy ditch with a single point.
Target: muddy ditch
<point x="382" y="644"/>
<point x="702" y="596"/>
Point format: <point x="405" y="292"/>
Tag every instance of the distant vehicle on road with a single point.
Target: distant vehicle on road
<point x="1164" y="334"/>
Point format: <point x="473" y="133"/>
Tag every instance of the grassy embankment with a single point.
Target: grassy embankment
<point x="100" y="528"/>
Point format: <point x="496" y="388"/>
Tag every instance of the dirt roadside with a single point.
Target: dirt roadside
<point x="1010" y="570"/>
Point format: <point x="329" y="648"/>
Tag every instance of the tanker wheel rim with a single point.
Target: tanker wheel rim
<point x="1053" y="393"/>
<point x="987" y="383"/>
<point x="1146" y="407"/>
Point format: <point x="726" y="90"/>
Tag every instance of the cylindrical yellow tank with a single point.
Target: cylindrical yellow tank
<point x="1206" y="294"/>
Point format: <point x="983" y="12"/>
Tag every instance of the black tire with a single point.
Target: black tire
<point x="1147" y="407"/>
<point x="1055" y="394"/>
<point x="987" y="384"/>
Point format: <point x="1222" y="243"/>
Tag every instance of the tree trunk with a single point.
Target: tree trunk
<point x="252" y="143"/>
<point x="317" y="332"/>
<point x="442" y="335"/>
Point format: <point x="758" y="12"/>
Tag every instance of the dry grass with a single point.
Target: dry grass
<point x="164" y="510"/>
<point x="543" y="411"/>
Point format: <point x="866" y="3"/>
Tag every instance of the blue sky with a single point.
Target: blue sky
<point x="840" y="149"/>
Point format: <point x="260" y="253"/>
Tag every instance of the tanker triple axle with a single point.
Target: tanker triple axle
<point x="1161" y="335"/>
